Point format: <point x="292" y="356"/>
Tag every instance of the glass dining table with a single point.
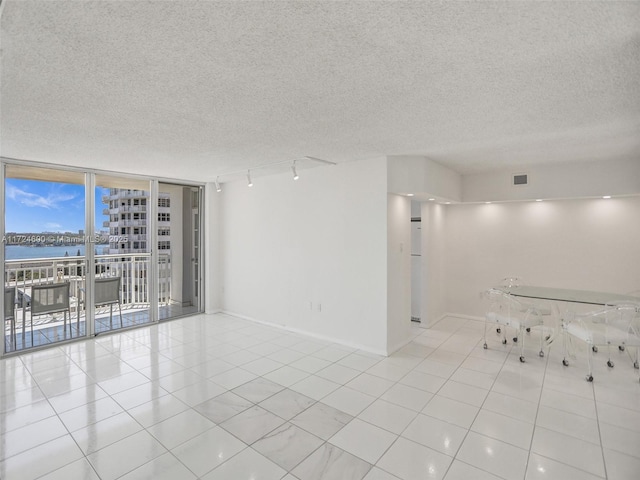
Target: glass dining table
<point x="565" y="301"/>
<point x="587" y="297"/>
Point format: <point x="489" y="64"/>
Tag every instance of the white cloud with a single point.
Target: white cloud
<point x="52" y="200"/>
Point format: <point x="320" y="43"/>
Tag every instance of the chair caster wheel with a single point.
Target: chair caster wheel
<point x="498" y="330"/>
<point x="565" y="362"/>
<point x="546" y="339"/>
<point x="528" y="330"/>
<point x="485" y="346"/>
<point x="515" y="339"/>
<point x="504" y="341"/>
<point x="541" y="353"/>
<point x="621" y="348"/>
<point x="610" y="364"/>
<point x="521" y="359"/>
<point x="589" y="378"/>
<point x="595" y="349"/>
<point x="636" y="365"/>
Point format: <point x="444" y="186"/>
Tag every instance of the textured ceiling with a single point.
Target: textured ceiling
<point x="194" y="89"/>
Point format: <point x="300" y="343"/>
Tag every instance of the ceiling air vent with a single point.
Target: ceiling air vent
<point x="520" y="179"/>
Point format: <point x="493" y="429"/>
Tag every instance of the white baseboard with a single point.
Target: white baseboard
<point x="318" y="336"/>
<point x="435" y="322"/>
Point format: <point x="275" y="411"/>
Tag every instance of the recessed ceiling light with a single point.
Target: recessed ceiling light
<point x="487" y="203"/>
<point x="409" y="194"/>
<point x="538" y="199"/>
<point x="447" y="203"/>
<point x="432" y="199"/>
<point x="607" y="196"/>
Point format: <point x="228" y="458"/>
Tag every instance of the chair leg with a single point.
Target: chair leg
<point x="120" y="310"/>
<point x="589" y="362"/>
<point x="565" y="349"/>
<point x="484" y="334"/>
<point x="609" y="361"/>
<point x="521" y="334"/>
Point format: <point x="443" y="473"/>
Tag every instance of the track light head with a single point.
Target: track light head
<point x="293" y="170"/>
<point x="249" y="182"/>
<point x="218" y="187"/>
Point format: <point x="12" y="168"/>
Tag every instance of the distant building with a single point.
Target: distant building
<point x="128" y="224"/>
<point x="129" y="220"/>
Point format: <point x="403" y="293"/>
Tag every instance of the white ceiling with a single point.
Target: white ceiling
<point x="194" y="89"/>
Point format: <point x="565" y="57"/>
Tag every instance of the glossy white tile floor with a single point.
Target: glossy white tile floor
<point x="216" y="397"/>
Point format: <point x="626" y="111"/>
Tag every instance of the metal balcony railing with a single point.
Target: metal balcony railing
<point x="132" y="268"/>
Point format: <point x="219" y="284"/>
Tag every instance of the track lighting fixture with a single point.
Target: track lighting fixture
<point x="292" y="164"/>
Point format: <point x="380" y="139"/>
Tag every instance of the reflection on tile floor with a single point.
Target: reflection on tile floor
<point x="217" y="397"/>
<point x="44" y="334"/>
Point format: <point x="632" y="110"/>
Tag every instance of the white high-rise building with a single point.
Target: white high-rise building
<point x="129" y="221"/>
<point x="129" y="233"/>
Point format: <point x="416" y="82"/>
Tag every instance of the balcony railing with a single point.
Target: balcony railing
<point x="133" y="269"/>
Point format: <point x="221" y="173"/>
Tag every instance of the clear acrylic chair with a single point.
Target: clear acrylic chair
<point x="509" y="282"/>
<point x="615" y="324"/>
<point x="636" y="326"/>
<point x="509" y="311"/>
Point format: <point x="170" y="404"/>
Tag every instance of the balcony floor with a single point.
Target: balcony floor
<point x="50" y="332"/>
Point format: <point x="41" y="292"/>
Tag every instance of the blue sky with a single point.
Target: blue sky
<point x="32" y="206"/>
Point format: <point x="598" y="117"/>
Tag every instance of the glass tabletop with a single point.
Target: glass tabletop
<point x="568" y="295"/>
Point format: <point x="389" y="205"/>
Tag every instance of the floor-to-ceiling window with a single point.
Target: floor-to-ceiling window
<point x="123" y="273"/>
<point x="89" y="252"/>
<point x="45" y="256"/>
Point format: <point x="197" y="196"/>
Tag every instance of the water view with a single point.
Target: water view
<point x="19" y="252"/>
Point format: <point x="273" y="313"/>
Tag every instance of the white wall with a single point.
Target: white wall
<point x="398" y="271"/>
<point x="289" y="248"/>
<point x="416" y="174"/>
<point x="212" y="249"/>
<point x="589" y="244"/>
<point x="554" y="181"/>
<point x="433" y="263"/>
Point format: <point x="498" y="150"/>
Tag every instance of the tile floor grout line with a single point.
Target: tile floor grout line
<point x="455" y="456"/>
<point x="186" y="339"/>
<point x="535" y="425"/>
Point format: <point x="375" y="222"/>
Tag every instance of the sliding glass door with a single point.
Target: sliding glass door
<point x="179" y="262"/>
<point x="87" y="253"/>
<point x="121" y="287"/>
